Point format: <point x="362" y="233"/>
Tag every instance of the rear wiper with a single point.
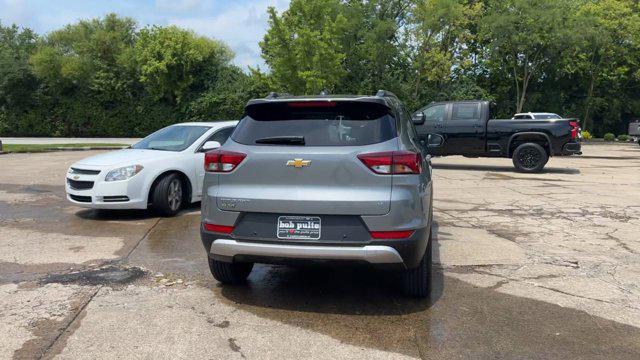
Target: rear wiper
<point x="284" y="140"/>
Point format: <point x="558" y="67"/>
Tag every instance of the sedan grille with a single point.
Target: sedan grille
<point x="80" y="185"/>
<point x="85" y="171"/>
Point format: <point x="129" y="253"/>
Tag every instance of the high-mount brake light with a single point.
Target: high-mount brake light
<point x="311" y="104"/>
<point x="393" y="162"/>
<point x="221" y="161"/>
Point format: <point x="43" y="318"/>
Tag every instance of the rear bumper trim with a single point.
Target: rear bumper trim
<point x="373" y="254"/>
<point x="572" y="148"/>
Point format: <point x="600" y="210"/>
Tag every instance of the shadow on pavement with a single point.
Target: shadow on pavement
<point x="335" y="290"/>
<point x="363" y="308"/>
<point x="128" y="214"/>
<point x="497" y="168"/>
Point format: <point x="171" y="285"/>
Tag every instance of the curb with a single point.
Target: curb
<point x="85" y="148"/>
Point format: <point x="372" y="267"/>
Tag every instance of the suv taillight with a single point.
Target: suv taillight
<point x="393" y="162"/>
<point x="222" y="161"/>
<point x="574" y="129"/>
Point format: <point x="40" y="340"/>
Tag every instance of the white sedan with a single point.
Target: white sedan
<point x="164" y="170"/>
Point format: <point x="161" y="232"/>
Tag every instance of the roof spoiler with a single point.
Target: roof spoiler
<point x="275" y="95"/>
<point x="386" y="93"/>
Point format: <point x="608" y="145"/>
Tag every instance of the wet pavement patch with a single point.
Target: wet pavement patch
<point x="109" y="275"/>
<point x="35" y="190"/>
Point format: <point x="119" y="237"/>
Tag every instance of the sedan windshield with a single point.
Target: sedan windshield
<point x="548" y="116"/>
<point x="172" y="138"/>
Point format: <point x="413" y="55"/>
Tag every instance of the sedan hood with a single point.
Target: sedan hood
<point x="124" y="157"/>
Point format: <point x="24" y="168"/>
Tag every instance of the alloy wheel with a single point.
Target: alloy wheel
<point x="175" y="195"/>
<point x="529" y="158"/>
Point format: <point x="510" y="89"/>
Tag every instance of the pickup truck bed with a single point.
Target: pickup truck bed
<point x="467" y="129"/>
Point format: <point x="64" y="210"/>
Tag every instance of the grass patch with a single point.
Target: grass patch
<point x="26" y="148"/>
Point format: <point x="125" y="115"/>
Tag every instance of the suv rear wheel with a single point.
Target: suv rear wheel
<point x="230" y="273"/>
<point x="530" y="158"/>
<point x="417" y="282"/>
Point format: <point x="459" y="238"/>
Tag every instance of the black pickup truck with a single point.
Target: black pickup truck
<point x="466" y="128"/>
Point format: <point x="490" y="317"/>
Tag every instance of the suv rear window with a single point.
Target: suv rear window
<point x="321" y="123"/>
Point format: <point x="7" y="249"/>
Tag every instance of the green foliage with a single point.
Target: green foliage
<point x="623" y="137"/>
<point x="303" y="46"/>
<point x="174" y="61"/>
<point x="609" y="137"/>
<point x="586" y="135"/>
<point x="105" y="77"/>
<point x="578" y="58"/>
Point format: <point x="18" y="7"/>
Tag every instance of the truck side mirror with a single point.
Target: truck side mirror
<point x="418" y="118"/>
<point x="434" y="140"/>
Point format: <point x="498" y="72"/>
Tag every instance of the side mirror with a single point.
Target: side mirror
<point x="435" y="140"/>
<point x="210" y="145"/>
<point x="418" y="118"/>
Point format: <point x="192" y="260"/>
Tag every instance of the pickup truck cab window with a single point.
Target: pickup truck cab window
<point x="435" y="113"/>
<point x="464" y="111"/>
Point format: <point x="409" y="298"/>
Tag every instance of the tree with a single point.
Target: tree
<point x="17" y="81"/>
<point x="303" y="46"/>
<point x="18" y="84"/>
<point x="375" y="48"/>
<point x="441" y="32"/>
<point x="524" y="36"/>
<point x="607" y="47"/>
<point x="172" y="61"/>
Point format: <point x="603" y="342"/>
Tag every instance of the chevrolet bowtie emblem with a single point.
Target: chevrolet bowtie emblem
<point x="298" y="163"/>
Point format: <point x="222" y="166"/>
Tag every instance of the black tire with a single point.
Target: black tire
<point x="530" y="158"/>
<point x="168" y="195"/>
<point x="230" y="273"/>
<point x="417" y="282"/>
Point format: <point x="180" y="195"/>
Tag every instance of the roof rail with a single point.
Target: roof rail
<point x="275" y="95"/>
<point x="385" y="93"/>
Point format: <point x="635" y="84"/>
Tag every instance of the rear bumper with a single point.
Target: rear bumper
<point x="372" y="254"/>
<point x="394" y="254"/>
<point x="572" y="148"/>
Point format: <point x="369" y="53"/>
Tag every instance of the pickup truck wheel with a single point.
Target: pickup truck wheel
<point x="530" y="158"/>
<point x="230" y="273"/>
<point x="417" y="282"/>
<point x="168" y="195"/>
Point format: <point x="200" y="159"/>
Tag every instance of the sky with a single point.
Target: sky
<point x="240" y="23"/>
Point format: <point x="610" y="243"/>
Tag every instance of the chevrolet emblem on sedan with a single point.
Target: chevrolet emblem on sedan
<point x="298" y="163"/>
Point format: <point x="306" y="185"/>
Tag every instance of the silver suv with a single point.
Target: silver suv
<point x="323" y="179"/>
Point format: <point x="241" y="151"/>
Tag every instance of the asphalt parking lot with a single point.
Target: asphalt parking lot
<point x="528" y="266"/>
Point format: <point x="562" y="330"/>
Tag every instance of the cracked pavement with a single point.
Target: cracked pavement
<point x="527" y="266"/>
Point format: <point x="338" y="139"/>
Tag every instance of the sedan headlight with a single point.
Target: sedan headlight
<point x="123" y="173"/>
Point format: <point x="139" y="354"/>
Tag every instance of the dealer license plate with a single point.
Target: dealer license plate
<point x="299" y="227"/>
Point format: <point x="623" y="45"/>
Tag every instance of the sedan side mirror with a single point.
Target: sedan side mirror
<point x="435" y="140"/>
<point x="418" y="118"/>
<point x="210" y="145"/>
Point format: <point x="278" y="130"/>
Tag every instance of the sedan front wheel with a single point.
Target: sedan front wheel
<point x="168" y="195"/>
